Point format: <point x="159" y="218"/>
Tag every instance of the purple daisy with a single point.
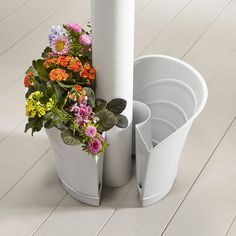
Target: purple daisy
<point x="56" y="31"/>
<point x="85" y="39"/>
<point x="95" y="146"/>
<point x="60" y="45"/>
<point x="90" y="131"/>
<point x="74" y="27"/>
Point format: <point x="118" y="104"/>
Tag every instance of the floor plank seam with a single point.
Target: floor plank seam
<point x="212" y="22"/>
<point x="25" y="173"/>
<point x="12" y="131"/>
<point x="113" y="212"/>
<point x="144" y="6"/>
<point x="221" y="66"/>
<point x="11" y="13"/>
<point x="158" y="35"/>
<point x="230" y="225"/>
<point x="194" y="182"/>
<point x="47" y="217"/>
<point x="30" y="31"/>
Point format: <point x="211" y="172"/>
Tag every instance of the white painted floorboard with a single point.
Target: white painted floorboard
<point x="202" y="200"/>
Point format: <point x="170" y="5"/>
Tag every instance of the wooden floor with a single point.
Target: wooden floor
<point x="202" y="201"/>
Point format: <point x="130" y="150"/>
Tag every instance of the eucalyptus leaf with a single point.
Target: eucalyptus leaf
<point x="117" y="106"/>
<point x="69" y="139"/>
<point x="122" y="121"/>
<point x="106" y="120"/>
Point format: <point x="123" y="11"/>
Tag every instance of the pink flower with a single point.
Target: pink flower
<point x="85" y="39"/>
<point x="60" y="45"/>
<point x="74" y="27"/>
<point x="94" y="146"/>
<point x="101" y="138"/>
<point x="90" y="131"/>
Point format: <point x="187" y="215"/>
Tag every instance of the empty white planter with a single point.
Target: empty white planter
<point x="175" y="94"/>
<point x="80" y="174"/>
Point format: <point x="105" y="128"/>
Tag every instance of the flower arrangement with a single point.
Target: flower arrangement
<point x="61" y="92"/>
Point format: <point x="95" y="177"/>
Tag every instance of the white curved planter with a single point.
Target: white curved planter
<point x="113" y="47"/>
<point x="80" y="174"/>
<point x="175" y="94"/>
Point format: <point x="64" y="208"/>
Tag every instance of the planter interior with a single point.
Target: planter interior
<point x="174" y="93"/>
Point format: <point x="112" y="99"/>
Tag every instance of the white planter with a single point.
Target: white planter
<point x="113" y="48"/>
<point x="80" y="174"/>
<point x="175" y="93"/>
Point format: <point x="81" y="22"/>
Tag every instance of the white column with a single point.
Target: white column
<point x="113" y="49"/>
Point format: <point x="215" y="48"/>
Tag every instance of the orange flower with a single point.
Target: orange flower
<point x="88" y="72"/>
<point x="50" y="62"/>
<point x="27" y="81"/>
<point x="58" y="74"/>
<point x="87" y="66"/>
<point x="63" y="61"/>
<point x="84" y="73"/>
<point x="92" y="73"/>
<point x="74" y="64"/>
<point x="78" y="88"/>
<point x="72" y="96"/>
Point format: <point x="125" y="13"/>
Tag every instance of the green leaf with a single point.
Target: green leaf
<point x="35" y="124"/>
<point x="106" y="120"/>
<point x="30" y="90"/>
<point x="100" y="104"/>
<point x="49" y="124"/>
<point x="60" y="93"/>
<point x="117" y="106"/>
<point x="46" y="51"/>
<point x="122" y="121"/>
<point x="31" y="69"/>
<point x="69" y="139"/>
<point x="91" y="96"/>
<point x="39" y="67"/>
<point x="50" y="89"/>
<point x="65" y="86"/>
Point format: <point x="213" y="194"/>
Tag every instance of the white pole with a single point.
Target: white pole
<point x="113" y="49"/>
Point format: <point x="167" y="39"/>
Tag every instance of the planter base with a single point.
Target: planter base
<point x="147" y="201"/>
<point x="89" y="200"/>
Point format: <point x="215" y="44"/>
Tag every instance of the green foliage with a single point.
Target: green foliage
<point x="106" y="120"/>
<point x="46" y="51"/>
<point x="35" y="124"/>
<point x="91" y="96"/>
<point x="68" y="138"/>
<point x="59" y="92"/>
<point x="117" y="106"/>
<point x="39" y="67"/>
<point x="122" y="122"/>
<point x="100" y="104"/>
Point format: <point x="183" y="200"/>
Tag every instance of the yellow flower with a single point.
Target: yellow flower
<point x="34" y="107"/>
